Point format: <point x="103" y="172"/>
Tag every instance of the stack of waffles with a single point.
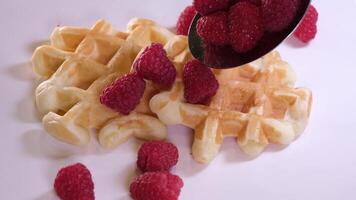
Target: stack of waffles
<point x="79" y="63"/>
<point x="256" y="103"/>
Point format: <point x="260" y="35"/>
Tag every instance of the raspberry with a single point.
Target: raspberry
<point x="156" y="186"/>
<point x="185" y="19"/>
<point x="157" y="156"/>
<point x="296" y="3"/>
<point x="213" y="28"/>
<point x="205" y="7"/>
<point x="278" y="14"/>
<point x="74" y="183"/>
<point x="124" y="94"/>
<point x="255" y="2"/>
<point x="245" y="25"/>
<point x="153" y="64"/>
<point x="199" y="81"/>
<point x="307" y="30"/>
<point x="219" y="55"/>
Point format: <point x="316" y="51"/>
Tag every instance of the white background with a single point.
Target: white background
<point x="321" y="164"/>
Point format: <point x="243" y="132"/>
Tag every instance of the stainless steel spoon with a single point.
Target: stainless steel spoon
<point x="225" y="57"/>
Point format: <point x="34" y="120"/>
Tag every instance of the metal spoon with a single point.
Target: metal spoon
<point x="225" y="57"/>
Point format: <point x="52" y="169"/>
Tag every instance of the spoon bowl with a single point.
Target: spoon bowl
<point x="222" y="57"/>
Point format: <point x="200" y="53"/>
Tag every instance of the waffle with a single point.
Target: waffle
<point x="79" y="63"/>
<point x="257" y="103"/>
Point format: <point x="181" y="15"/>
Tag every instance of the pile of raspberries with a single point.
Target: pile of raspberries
<point x="242" y="23"/>
<point x="124" y="94"/>
<point x="155" y="159"/>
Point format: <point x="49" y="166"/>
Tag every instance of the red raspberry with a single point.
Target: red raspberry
<point x="124" y="94"/>
<point x="307" y="30"/>
<point x="74" y="183"/>
<point x="256" y="2"/>
<point x="219" y="55"/>
<point x="199" y="81"/>
<point x="156" y="186"/>
<point x="157" y="156"/>
<point x="213" y="28"/>
<point x="245" y="24"/>
<point x="278" y="14"/>
<point x="185" y="19"/>
<point x="153" y="64"/>
<point x="296" y="3"/>
<point x="205" y="7"/>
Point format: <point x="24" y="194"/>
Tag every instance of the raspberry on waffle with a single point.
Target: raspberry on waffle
<point x="79" y="63"/>
<point x="257" y="103"/>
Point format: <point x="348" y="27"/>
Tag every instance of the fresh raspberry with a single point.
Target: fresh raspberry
<point x="219" y="56"/>
<point x="156" y="186"/>
<point x="307" y="30"/>
<point x="157" y="156"/>
<point x="256" y="2"/>
<point x="124" y="94"/>
<point x="213" y="28"/>
<point x="278" y="14"/>
<point x="185" y="19"/>
<point x="245" y="25"/>
<point x="297" y="3"/>
<point x="205" y="7"/>
<point x="74" y="182"/>
<point x="199" y="81"/>
<point x="153" y="64"/>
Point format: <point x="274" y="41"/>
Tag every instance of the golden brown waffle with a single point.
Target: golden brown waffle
<point x="80" y="62"/>
<point x="257" y="103"/>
